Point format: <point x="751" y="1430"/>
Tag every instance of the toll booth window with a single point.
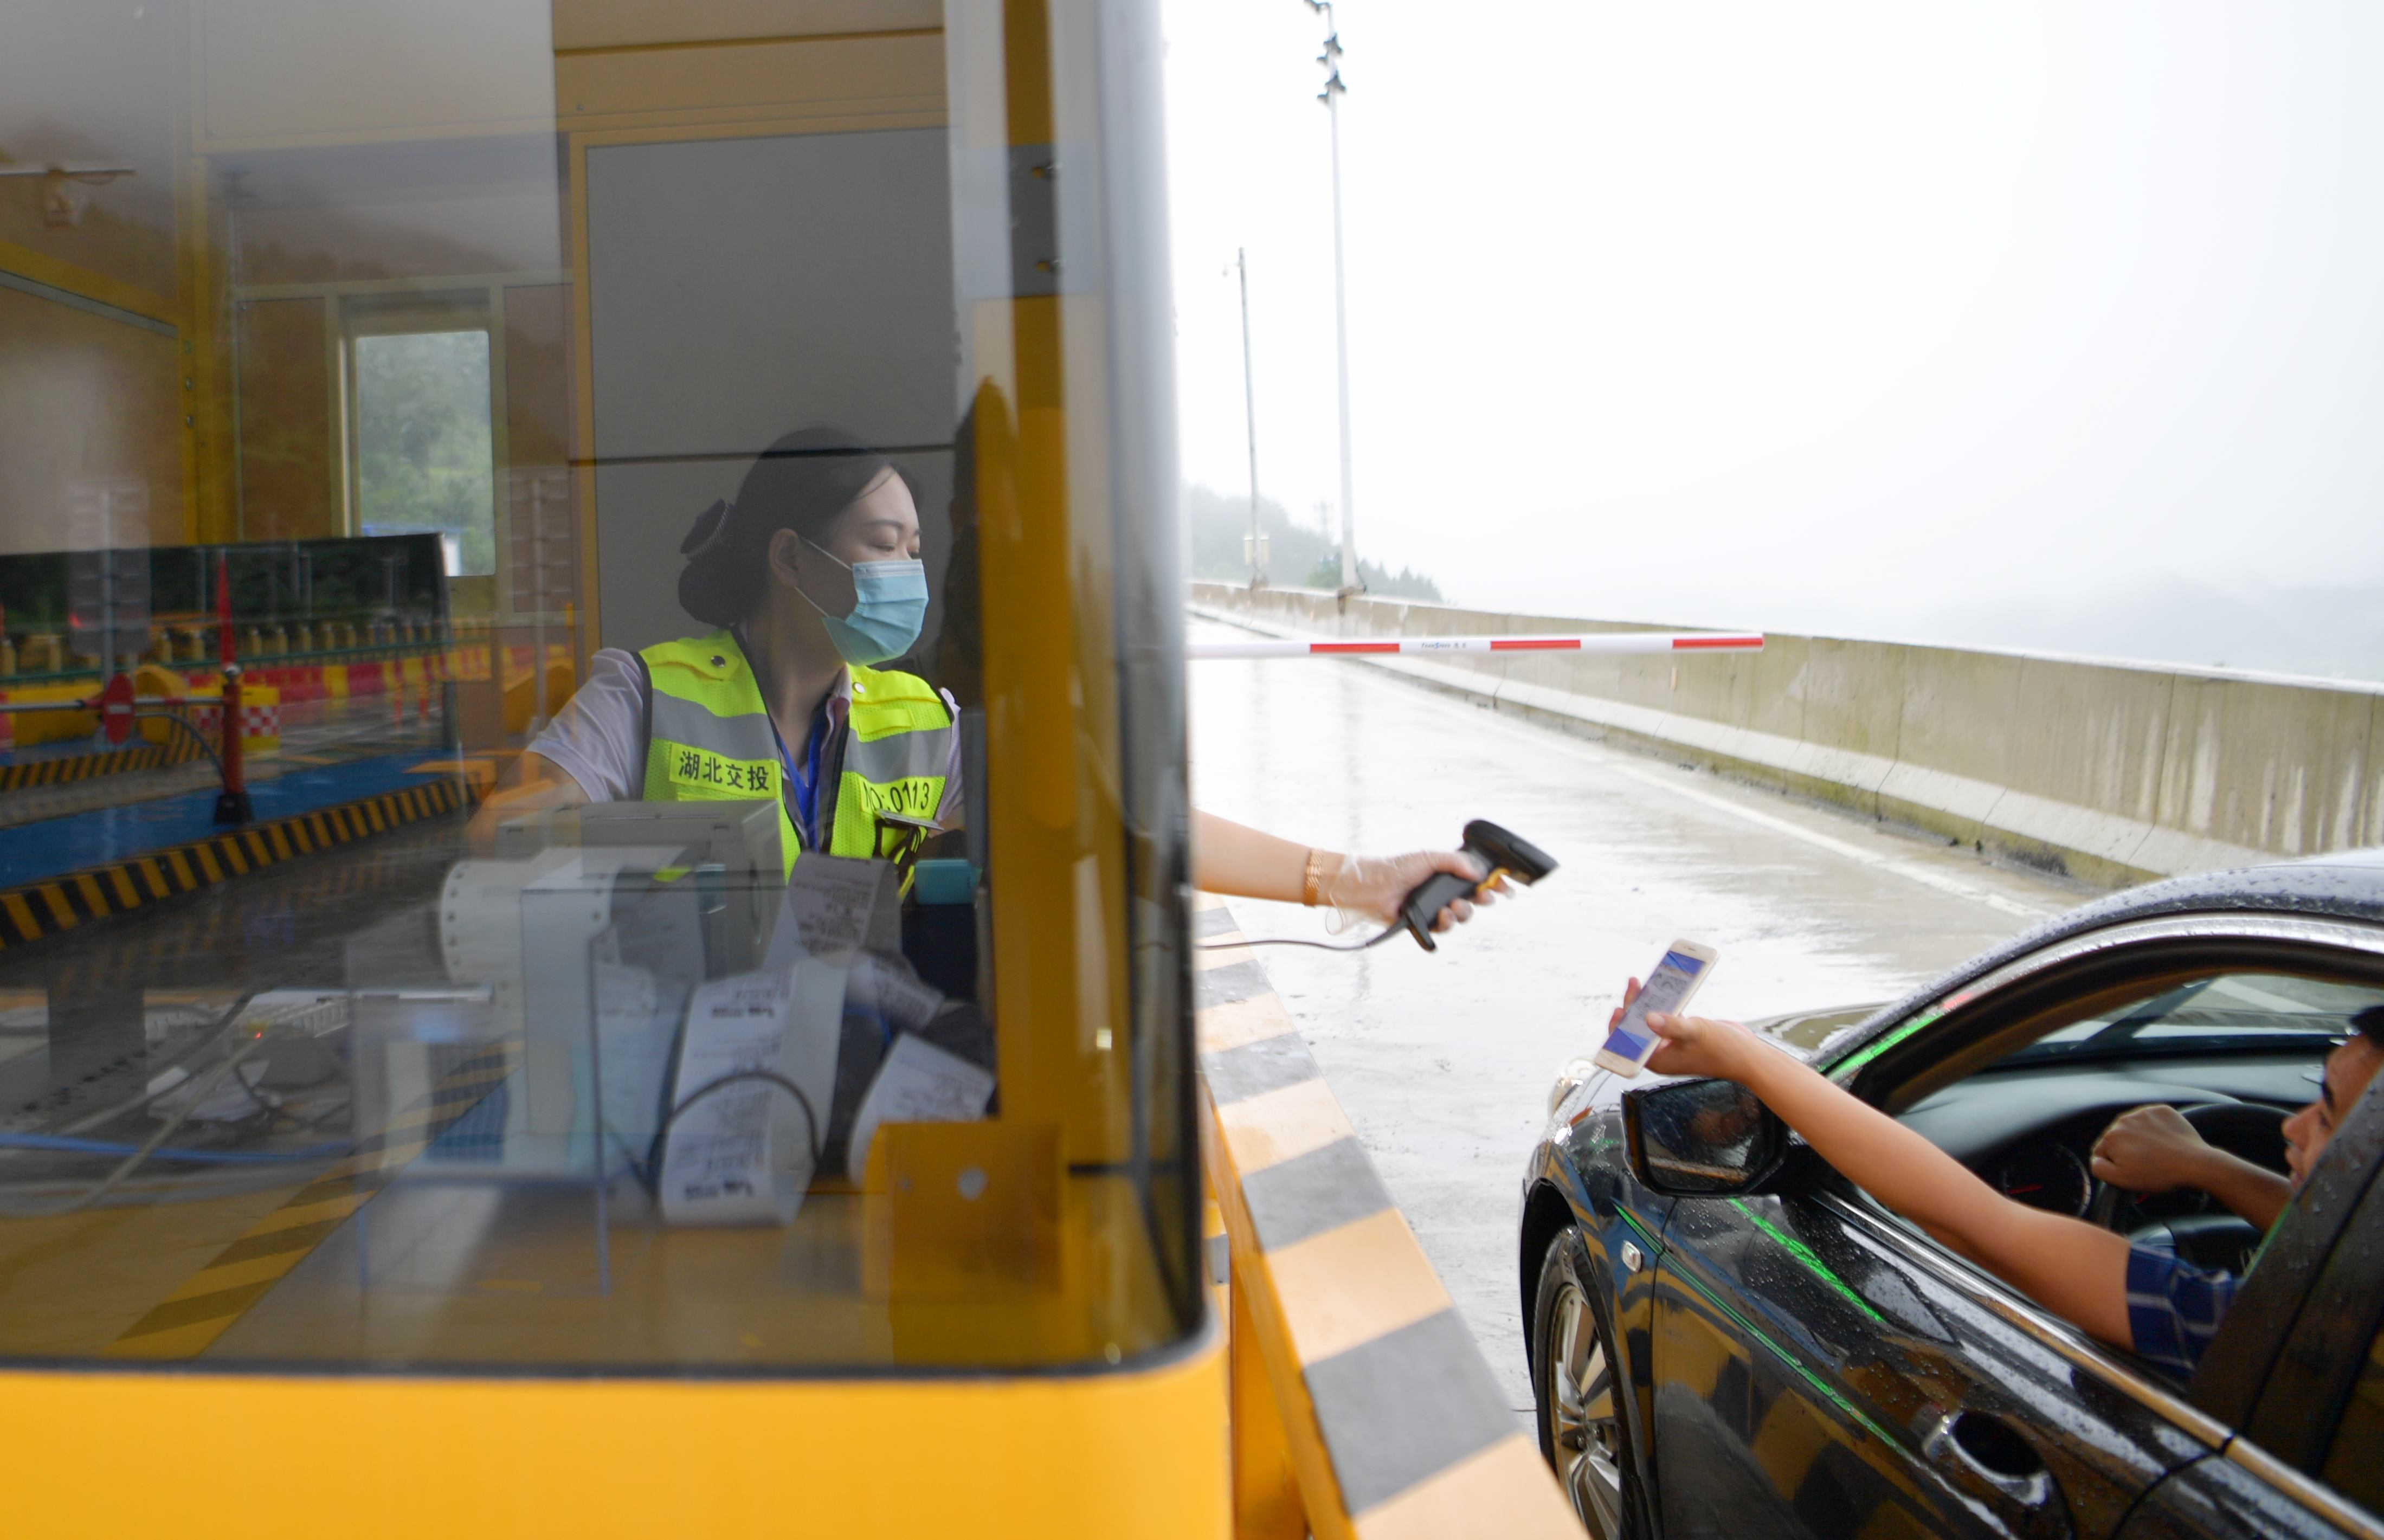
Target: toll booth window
<point x="423" y="444"/>
<point x="591" y="731"/>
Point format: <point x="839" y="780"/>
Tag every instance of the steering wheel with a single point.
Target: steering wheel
<point x="2244" y="1128"/>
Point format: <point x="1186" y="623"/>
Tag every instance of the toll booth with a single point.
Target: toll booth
<point x="591" y="1170"/>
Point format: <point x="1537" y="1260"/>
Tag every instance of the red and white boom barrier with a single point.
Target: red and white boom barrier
<point x="1604" y="642"/>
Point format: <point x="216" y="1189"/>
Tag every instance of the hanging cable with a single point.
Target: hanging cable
<point x="1366" y="945"/>
<point x="215" y="1035"/>
<point x="181" y="1115"/>
<point x="652" y="1174"/>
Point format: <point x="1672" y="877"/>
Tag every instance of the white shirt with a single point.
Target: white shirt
<point x="598" y="738"/>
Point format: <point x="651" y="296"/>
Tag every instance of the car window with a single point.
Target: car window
<point x="2026" y="1119"/>
<point x="2224" y="1011"/>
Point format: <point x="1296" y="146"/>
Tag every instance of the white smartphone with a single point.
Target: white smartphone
<point x="1670" y="984"/>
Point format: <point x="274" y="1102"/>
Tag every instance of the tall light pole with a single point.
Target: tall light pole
<point x="1331" y="97"/>
<point x="1256" y="553"/>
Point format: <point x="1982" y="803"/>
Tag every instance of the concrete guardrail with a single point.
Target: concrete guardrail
<point x="2108" y="772"/>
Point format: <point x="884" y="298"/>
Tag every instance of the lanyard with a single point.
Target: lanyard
<point x="804" y="777"/>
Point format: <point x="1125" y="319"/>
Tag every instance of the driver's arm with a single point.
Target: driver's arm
<point x="2154" y="1150"/>
<point x="2077" y="1270"/>
<point x="535" y="782"/>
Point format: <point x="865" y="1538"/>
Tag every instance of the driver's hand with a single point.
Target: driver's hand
<point x="1692" y="1045"/>
<point x="1372" y="887"/>
<point x="2150" y="1149"/>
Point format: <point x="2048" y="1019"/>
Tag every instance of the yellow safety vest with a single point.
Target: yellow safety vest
<point x="708" y="739"/>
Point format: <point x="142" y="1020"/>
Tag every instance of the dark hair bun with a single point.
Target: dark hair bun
<point x="801" y="482"/>
<point x="716" y="587"/>
<point x="707" y="529"/>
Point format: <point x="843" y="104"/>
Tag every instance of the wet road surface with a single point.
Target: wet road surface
<point x="1444" y="1061"/>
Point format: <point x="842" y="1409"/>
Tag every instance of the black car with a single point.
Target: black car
<point x="1728" y="1337"/>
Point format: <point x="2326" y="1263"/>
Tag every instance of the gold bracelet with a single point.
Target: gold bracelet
<point x="1311" y="877"/>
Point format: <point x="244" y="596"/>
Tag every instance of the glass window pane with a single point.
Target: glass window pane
<point x="423" y="444"/>
<point x="2253" y="1012"/>
<point x="540" y="907"/>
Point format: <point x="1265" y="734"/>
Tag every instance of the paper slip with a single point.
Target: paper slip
<point x="637" y="1016"/>
<point x="742" y="1154"/>
<point x="835" y="906"/>
<point x="918" y="1083"/>
<point x="889" y="988"/>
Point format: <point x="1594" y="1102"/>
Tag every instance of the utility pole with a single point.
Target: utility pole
<point x="1331" y="97"/>
<point x="1255" y="550"/>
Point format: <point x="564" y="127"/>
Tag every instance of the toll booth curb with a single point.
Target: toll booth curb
<point x="74" y="899"/>
<point x="66" y="769"/>
<point x="1361" y="1406"/>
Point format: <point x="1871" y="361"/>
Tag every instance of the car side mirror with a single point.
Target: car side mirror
<point x="1702" y="1139"/>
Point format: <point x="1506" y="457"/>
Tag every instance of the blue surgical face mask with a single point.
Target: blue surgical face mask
<point x="889" y="604"/>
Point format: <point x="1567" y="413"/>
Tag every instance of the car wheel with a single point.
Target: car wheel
<point x="1574" y="1380"/>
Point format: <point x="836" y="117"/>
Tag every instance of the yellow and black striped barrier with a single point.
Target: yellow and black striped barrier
<point x="68" y="768"/>
<point x="1362" y="1408"/>
<point x="64" y="902"/>
<point x="187" y="1322"/>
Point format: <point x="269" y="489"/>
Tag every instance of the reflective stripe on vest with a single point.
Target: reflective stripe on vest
<point x="711" y="741"/>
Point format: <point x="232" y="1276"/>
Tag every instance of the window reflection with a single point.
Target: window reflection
<point x="361" y="374"/>
<point x="421" y="427"/>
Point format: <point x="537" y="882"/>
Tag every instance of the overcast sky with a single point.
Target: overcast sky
<point x="1810" y="316"/>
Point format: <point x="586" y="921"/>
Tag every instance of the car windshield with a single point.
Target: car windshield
<point x="2233" y="1012"/>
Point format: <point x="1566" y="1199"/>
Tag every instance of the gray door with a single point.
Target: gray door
<point x="739" y="288"/>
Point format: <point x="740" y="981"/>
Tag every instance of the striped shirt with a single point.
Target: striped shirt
<point x="2174" y="1307"/>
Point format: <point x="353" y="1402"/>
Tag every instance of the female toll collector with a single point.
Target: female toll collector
<point x="813" y="577"/>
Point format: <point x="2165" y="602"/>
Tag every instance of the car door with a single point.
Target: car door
<point x="1624" y="1223"/>
<point x="1822" y="1370"/>
<point x="2298" y="1366"/>
<point x="1822" y="1367"/>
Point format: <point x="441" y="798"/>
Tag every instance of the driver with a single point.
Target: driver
<point x="2135" y="1296"/>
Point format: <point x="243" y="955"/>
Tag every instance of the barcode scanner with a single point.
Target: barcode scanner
<point x="1505" y="854"/>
